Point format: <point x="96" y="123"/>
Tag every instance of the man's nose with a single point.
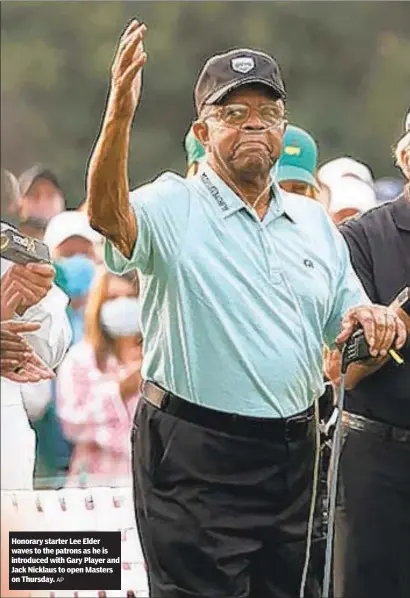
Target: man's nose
<point x="254" y="122"/>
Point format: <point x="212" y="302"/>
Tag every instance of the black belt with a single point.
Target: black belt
<point x="359" y="423"/>
<point x="291" y="428"/>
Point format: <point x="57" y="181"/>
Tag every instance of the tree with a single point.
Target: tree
<point x="346" y="68"/>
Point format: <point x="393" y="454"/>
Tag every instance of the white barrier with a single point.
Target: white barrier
<point x="89" y="509"/>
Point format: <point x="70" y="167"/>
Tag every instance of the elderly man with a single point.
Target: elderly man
<point x="373" y="525"/>
<point x="32" y="306"/>
<point x="242" y="285"/>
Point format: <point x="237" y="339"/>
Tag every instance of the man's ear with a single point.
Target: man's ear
<point x="201" y="132"/>
<point x="405" y="161"/>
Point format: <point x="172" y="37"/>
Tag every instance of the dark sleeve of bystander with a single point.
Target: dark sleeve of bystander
<point x="360" y="256"/>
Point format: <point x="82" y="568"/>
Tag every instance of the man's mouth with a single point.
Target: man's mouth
<point x="252" y="145"/>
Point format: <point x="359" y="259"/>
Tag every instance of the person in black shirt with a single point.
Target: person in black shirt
<point x="373" y="520"/>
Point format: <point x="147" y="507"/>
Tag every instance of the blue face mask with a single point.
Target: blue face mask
<point x="77" y="275"/>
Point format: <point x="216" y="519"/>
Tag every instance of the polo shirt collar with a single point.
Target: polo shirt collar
<point x="401" y="212"/>
<point x="228" y="203"/>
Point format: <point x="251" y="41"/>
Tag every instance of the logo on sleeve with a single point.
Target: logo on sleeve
<point x="308" y="263"/>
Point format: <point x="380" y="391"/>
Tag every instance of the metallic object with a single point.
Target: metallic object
<point x="21" y="249"/>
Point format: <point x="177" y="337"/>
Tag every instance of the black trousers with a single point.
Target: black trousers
<point x="372" y="540"/>
<point x="219" y="514"/>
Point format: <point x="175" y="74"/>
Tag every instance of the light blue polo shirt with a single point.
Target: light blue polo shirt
<point x="235" y="311"/>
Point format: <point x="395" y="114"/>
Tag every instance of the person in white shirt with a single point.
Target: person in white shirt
<point x="28" y="295"/>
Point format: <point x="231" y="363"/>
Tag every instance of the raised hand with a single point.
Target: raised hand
<point x="126" y="72"/>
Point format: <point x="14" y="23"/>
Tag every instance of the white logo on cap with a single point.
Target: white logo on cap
<point x="243" y="64"/>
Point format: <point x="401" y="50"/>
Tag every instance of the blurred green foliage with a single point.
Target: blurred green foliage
<point x="346" y="66"/>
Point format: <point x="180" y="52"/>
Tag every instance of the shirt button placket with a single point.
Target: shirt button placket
<point x="270" y="256"/>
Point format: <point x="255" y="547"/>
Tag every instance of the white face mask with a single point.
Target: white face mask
<point x="121" y="317"/>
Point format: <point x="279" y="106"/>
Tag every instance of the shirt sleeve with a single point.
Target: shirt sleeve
<point x="52" y="340"/>
<point x="360" y="256"/>
<point x="161" y="210"/>
<point x="349" y="292"/>
<point x="89" y="403"/>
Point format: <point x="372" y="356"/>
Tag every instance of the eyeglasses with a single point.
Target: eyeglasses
<point x="236" y="115"/>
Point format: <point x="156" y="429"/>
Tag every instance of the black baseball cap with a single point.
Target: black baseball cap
<point x="226" y="72"/>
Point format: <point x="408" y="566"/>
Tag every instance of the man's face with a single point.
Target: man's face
<point x="298" y="187"/>
<point x="75" y="246"/>
<point x="42" y="201"/>
<point x="247" y="151"/>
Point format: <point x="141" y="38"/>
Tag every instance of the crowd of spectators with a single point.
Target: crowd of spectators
<point x="82" y="418"/>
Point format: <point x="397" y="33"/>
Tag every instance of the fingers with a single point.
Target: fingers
<point x="388" y="334"/>
<point x="128" y="49"/>
<point x="45" y="270"/>
<point x="11" y="340"/>
<point x="37" y="362"/>
<point x="27" y="274"/>
<point x="15" y="355"/>
<point x="131" y="46"/>
<point x="365" y="318"/>
<point x="129" y="35"/>
<point x="15" y="350"/>
<point x="9" y="293"/>
<point x="10" y="299"/>
<point x="401" y="333"/>
<point x="132" y="70"/>
<point x="381" y="326"/>
<point x="31" y="286"/>
<point x="131" y="27"/>
<point x="348" y="326"/>
<point x="24" y="376"/>
<point x="35" y="366"/>
<point x="30" y="294"/>
<point x="20" y="378"/>
<point x="13" y="300"/>
<point x="386" y="329"/>
<point x="33" y="370"/>
<point x="12" y="326"/>
<point x="8" y="365"/>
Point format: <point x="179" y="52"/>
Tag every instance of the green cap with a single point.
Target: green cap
<point x="194" y="150"/>
<point x="298" y="160"/>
